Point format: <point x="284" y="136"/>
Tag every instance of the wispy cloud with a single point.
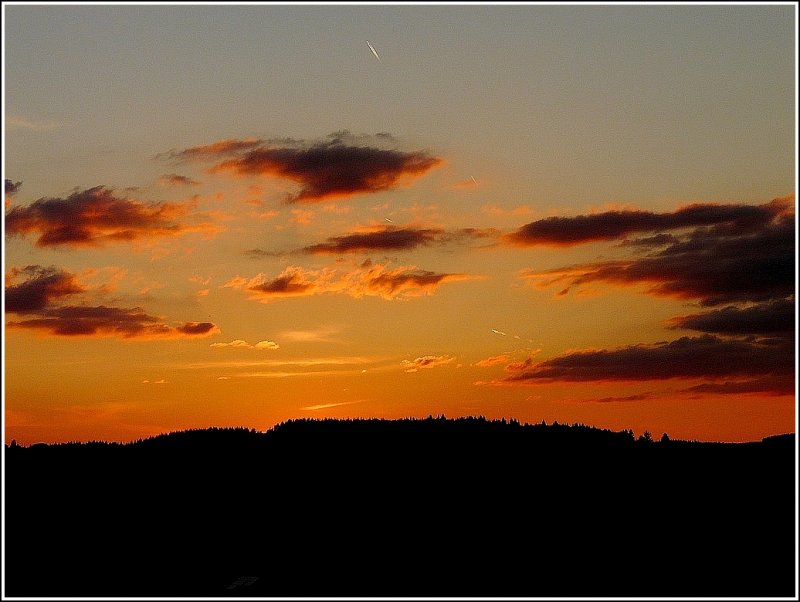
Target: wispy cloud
<point x="18" y="122"/>
<point x="174" y="180"/>
<point x="493" y="361"/>
<point x="368" y="279"/>
<point x="325" y="334"/>
<point x="240" y="344"/>
<point x="427" y="361"/>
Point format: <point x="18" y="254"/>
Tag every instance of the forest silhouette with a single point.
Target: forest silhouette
<point x="412" y="507"/>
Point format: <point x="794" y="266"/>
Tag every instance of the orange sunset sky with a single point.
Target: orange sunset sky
<point x="237" y="215"/>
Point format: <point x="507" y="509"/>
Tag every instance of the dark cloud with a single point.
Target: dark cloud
<point x="340" y="166"/>
<point x="772" y="318"/>
<point x="108" y="321"/>
<point x="331" y="171"/>
<point x="391" y="238"/>
<point x="196" y="328"/>
<point x="260" y="253"/>
<point x="716" y="269"/>
<point x="43" y="286"/>
<point x="12" y="187"/>
<point x="93" y="217"/>
<point x="391" y="282"/>
<point x="291" y="283"/>
<point x="707" y="356"/>
<point x="39" y="294"/>
<point x="777" y="385"/>
<point x="659" y="240"/>
<point x="385" y="239"/>
<point x="724" y="220"/>
<point x="172" y="179"/>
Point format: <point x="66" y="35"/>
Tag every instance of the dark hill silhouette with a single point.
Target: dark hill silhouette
<point x="433" y="507"/>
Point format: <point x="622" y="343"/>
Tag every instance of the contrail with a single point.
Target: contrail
<point x="499" y="332"/>
<point x="388" y="220"/>
<point x="474" y="181"/>
<point x="375" y="52"/>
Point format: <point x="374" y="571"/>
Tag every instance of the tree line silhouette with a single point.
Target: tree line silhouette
<point x="411" y="507"/>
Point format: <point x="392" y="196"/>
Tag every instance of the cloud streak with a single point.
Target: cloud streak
<point x="240" y="344"/>
<point x="95" y="217"/>
<point x="325" y="406"/>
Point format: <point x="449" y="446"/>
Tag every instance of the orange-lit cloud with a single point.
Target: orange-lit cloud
<point x="172" y="179"/>
<point x="340" y="166"/>
<point x="720" y="220"/>
<point x="95" y="217"/>
<point x="427" y="361"/>
<point x="302" y="217"/>
<point x="39" y="297"/>
<point x="368" y="279"/>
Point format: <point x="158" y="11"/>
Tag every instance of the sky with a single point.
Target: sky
<point x="237" y="215"/>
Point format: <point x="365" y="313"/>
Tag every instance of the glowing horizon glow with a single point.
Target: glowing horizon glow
<point x="205" y="233"/>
